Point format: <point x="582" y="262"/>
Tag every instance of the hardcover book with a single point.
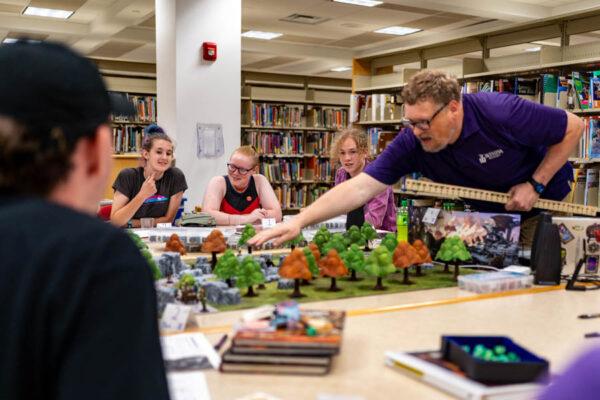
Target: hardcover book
<point x="431" y="368"/>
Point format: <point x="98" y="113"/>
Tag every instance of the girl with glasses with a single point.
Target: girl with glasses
<point x="351" y="150"/>
<point x="242" y="196"/>
<point x="152" y="191"/>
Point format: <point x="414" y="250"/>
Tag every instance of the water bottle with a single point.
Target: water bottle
<point x="402" y="222"/>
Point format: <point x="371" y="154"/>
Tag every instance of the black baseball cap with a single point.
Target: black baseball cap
<point x="46" y="86"/>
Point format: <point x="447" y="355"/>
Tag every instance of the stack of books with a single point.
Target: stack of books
<point x="288" y="351"/>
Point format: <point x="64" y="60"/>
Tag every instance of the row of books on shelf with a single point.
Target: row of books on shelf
<point x="127" y="138"/>
<point x="297" y="196"/>
<point x="290" y="142"/>
<point x="276" y="115"/>
<point x="379" y="139"/>
<point x="144" y="107"/>
<point x="579" y="90"/>
<point x="328" y="117"/>
<point x="585" y="188"/>
<point x="375" y="107"/>
<point x="309" y="169"/>
<point x="589" y="145"/>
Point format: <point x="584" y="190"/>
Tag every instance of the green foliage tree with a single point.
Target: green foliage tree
<point x="453" y="250"/>
<point x="368" y="232"/>
<point x="227" y="266"/>
<point x="338" y="243"/>
<point x="293" y="243"/>
<point x="354" y="236"/>
<point x="249" y="273"/>
<point x="390" y="241"/>
<point x="312" y="263"/>
<point x="322" y="236"/>
<point x="380" y="264"/>
<point x="247" y="233"/>
<point x="137" y="240"/>
<point x="354" y="258"/>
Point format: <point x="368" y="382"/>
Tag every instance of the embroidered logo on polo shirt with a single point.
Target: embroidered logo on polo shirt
<point x="483" y="158"/>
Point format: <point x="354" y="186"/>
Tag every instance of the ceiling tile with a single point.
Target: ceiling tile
<point x="114" y="49"/>
<point x="271" y="62"/>
<point x="398" y="7"/>
<point x="58" y="4"/>
<point x="11" y="8"/>
<point x="149" y="23"/>
<point x="431" y="22"/>
<point x="26" y="35"/>
<point x="301" y="39"/>
<point x="360" y="40"/>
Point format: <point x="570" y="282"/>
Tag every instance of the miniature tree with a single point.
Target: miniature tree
<point x="353" y="236"/>
<point x="314" y="249"/>
<point x="293" y="243"/>
<point x="321" y="238"/>
<point x="214" y="243"/>
<point x="423" y="253"/>
<point x="313" y="266"/>
<point x="333" y="266"/>
<point x="143" y="247"/>
<point x="247" y="233"/>
<point x="354" y="258"/>
<point x="337" y="243"/>
<point x="295" y="266"/>
<point x="390" y="241"/>
<point x="379" y="264"/>
<point x="404" y="256"/>
<point x="187" y="285"/>
<point x="174" y="244"/>
<point x="369" y="233"/>
<point x="227" y="266"/>
<point x="453" y="250"/>
<point x="249" y="273"/>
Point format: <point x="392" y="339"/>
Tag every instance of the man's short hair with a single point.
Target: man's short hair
<point x="431" y="85"/>
<point x="50" y="98"/>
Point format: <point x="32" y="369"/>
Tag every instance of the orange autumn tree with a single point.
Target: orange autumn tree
<point x="423" y="253"/>
<point x="333" y="266"/>
<point x="214" y="243"/>
<point x="174" y="244"/>
<point x="314" y="249"/>
<point x="295" y="266"/>
<point x="405" y="255"/>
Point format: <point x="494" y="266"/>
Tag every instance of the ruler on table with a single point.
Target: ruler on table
<point x="442" y="189"/>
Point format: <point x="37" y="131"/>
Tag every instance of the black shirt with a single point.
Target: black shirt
<point x="79" y="316"/>
<point x="130" y="181"/>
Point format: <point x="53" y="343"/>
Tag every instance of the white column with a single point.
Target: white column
<point x="191" y="90"/>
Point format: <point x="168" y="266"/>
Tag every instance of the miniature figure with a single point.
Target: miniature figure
<point x="187" y="289"/>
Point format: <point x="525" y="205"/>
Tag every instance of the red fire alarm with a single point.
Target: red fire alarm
<point x="209" y="51"/>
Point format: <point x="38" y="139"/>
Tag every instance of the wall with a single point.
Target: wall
<point x="191" y="90"/>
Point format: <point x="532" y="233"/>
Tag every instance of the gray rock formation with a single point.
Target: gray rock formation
<point x="285" y="284"/>
<point x="217" y="292"/>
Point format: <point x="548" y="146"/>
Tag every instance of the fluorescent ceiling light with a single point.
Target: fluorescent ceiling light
<point x="365" y="3"/>
<point x="397" y="30"/>
<point x="47" y="12"/>
<point x="261" y="35"/>
<point x="15" y="40"/>
<point x="538" y="48"/>
<point x="340" y="69"/>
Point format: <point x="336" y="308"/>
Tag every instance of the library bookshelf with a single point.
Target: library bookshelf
<point x="291" y="122"/>
<point x="470" y="60"/>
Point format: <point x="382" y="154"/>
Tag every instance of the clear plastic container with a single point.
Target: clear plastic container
<point x="493" y="282"/>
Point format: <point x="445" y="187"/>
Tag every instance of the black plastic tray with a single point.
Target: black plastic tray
<point x="529" y="368"/>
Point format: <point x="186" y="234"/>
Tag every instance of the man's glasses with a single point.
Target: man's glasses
<point x="423" y="125"/>
<point x="243" y="171"/>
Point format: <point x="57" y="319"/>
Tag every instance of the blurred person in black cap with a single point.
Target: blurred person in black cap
<point x="79" y="318"/>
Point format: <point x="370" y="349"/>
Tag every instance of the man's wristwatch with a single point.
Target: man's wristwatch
<point x="538" y="187"/>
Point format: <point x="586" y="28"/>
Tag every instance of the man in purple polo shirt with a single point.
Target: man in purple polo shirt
<point x="492" y="141"/>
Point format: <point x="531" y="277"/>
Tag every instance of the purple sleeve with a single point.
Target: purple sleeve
<point x="376" y="208"/>
<point x="527" y="122"/>
<point x="579" y="381"/>
<point x="396" y="160"/>
<point x="340" y="176"/>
